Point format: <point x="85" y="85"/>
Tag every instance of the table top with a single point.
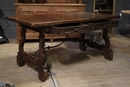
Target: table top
<point x="126" y="11"/>
<point x="56" y="19"/>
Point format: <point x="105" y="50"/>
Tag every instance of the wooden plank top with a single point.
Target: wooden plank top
<point x="56" y="19"/>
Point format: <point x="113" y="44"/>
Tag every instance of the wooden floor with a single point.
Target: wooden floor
<point x="70" y="67"/>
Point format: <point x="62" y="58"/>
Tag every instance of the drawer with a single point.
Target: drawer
<point x="103" y="25"/>
<point x="82" y="28"/>
<point x="69" y="29"/>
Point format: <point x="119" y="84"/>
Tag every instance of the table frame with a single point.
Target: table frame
<point x="101" y="22"/>
<point x="23" y="57"/>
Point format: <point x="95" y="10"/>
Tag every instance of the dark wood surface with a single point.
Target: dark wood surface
<point x="41" y="23"/>
<point x="55" y="19"/>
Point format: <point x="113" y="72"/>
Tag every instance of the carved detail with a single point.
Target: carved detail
<point x="27" y="13"/>
<point x="42" y="73"/>
<point x="61" y="30"/>
<point x="41" y="12"/>
<point x="95" y="45"/>
<point x="91" y="42"/>
<point x="108" y="52"/>
<point x="102" y="25"/>
<point x="20" y="57"/>
<point x="23" y="57"/>
<point x="82" y="43"/>
<point x="70" y="29"/>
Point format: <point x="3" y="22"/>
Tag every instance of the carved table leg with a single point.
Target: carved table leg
<point x="108" y="51"/>
<point x="82" y="43"/>
<point x="20" y="58"/>
<point x="42" y="74"/>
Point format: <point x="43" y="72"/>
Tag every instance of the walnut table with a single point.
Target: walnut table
<point x="63" y="24"/>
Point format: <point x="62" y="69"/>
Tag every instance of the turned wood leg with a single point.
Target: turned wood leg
<point x="108" y="52"/>
<point x="42" y="73"/>
<point x="20" y="58"/>
<point x="82" y="46"/>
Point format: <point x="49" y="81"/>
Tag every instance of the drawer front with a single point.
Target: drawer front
<point x="83" y="28"/>
<point x="70" y="29"/>
<point x="103" y="25"/>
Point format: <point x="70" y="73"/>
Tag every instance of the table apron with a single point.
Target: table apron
<point x="82" y="28"/>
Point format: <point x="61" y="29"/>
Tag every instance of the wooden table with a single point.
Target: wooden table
<point x="63" y="24"/>
<point x="126" y="11"/>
